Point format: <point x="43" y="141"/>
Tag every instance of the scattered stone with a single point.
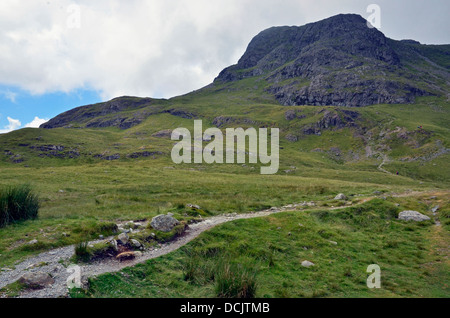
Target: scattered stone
<point x="194" y="206"/>
<point x="6" y="269"/>
<point x="33" y="242"/>
<point x="433" y="198"/>
<point x="164" y="223"/>
<point x="136" y="243"/>
<point x="412" y="216"/>
<point x="101" y="237"/>
<point x="113" y="244"/>
<point x="61" y="191"/>
<point x="333" y="242"/>
<point x="341" y="196"/>
<point x="36" y="280"/>
<point x="307" y="264"/>
<point x="123" y="238"/>
<point x="435" y="209"/>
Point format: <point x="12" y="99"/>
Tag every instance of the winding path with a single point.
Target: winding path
<point x="53" y="260"/>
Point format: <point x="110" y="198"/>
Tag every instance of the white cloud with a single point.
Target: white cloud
<point x="13" y="124"/>
<point x="10" y="96"/>
<point x="36" y="122"/>
<point x="154" y="48"/>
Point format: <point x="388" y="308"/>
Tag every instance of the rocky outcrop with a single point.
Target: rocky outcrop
<point x="97" y="115"/>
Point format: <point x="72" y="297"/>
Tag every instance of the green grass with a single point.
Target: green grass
<point x="263" y="256"/>
<point x="83" y="197"/>
<point x="18" y="203"/>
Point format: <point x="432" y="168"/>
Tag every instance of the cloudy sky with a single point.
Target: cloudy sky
<point x="56" y="55"/>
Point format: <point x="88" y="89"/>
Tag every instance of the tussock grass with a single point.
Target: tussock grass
<point x="235" y="281"/>
<point x="83" y="252"/>
<point x="18" y="203"/>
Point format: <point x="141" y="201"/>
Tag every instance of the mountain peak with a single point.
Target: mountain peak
<point x="337" y="61"/>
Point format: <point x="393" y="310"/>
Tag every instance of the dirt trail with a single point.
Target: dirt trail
<point x="53" y="261"/>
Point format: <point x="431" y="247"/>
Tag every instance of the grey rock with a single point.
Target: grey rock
<point x="412" y="216"/>
<point x="33" y="242"/>
<point x="435" y="209"/>
<point x="136" y="243"/>
<point x="36" y="280"/>
<point x="341" y="196"/>
<point x="123" y="237"/>
<point x="164" y="223"/>
<point x="307" y="264"/>
<point x="113" y="244"/>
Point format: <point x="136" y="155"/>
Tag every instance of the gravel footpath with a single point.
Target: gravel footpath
<point x="53" y="261"/>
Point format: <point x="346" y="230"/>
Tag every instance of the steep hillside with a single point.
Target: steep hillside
<point x="340" y="61"/>
<point x="322" y="66"/>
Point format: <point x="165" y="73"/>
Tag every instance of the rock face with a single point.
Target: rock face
<point x="164" y="223"/>
<point x="412" y="216"/>
<point x="338" y="61"/>
<point x="36" y="280"/>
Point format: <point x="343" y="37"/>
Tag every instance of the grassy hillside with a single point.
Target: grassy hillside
<point x="269" y="251"/>
<point x="89" y="178"/>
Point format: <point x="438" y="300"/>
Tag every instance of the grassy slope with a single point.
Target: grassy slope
<point x="274" y="247"/>
<point x="96" y="192"/>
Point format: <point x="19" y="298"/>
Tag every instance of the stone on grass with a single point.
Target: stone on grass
<point x="36" y="280"/>
<point x="164" y="223"/>
<point x="412" y="216"/>
<point x="341" y="196"/>
<point x="136" y="243"/>
<point x="307" y="264"/>
<point x="435" y="209"/>
<point x="123" y="238"/>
